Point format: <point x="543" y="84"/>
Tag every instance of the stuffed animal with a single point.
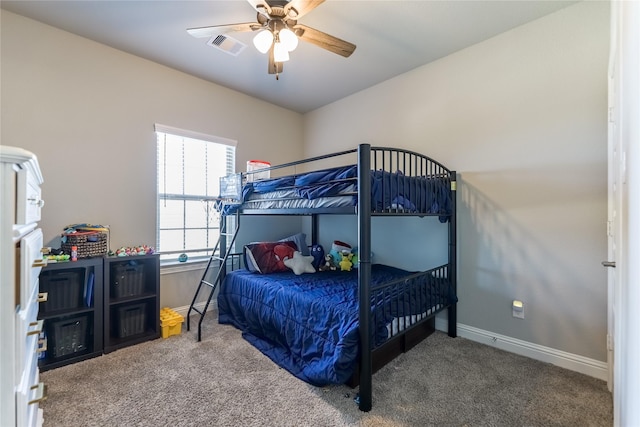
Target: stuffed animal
<point x="317" y="251"/>
<point x="339" y="248"/>
<point x="345" y="263"/>
<point x="328" y="264"/>
<point x="300" y="263"/>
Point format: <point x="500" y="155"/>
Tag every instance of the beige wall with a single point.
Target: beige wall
<point x="88" y="112"/>
<point x="522" y="118"/>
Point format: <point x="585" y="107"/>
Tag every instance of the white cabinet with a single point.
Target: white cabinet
<point x="20" y="263"/>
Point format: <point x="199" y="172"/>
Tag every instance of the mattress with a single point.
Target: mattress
<point x="308" y="324"/>
<point x="337" y="187"/>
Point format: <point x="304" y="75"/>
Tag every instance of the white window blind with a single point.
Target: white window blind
<point x="190" y="165"/>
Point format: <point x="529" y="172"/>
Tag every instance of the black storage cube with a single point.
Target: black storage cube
<point x="131" y="320"/>
<point x="127" y="279"/>
<point x="64" y="290"/>
<point x="69" y="336"/>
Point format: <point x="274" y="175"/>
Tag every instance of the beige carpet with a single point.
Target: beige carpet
<point x="224" y="381"/>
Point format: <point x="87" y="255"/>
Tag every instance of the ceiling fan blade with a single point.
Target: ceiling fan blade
<point x="261" y="6"/>
<point x="223" y="29"/>
<point x="324" y="40"/>
<point x="297" y="8"/>
<point x="274" y="67"/>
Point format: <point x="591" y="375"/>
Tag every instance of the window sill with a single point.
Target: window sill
<point x="172" y="267"/>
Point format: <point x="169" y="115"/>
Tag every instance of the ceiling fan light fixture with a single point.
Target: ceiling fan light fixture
<point x="280" y="52"/>
<point x="277" y="31"/>
<point x="289" y="39"/>
<point x="262" y="41"/>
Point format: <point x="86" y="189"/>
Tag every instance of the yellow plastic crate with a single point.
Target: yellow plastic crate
<point x="170" y="322"/>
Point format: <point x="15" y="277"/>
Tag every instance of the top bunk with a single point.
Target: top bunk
<point x="390" y="181"/>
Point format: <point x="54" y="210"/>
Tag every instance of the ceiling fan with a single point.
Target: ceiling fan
<point x="279" y="31"/>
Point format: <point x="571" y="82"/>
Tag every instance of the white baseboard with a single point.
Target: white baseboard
<point x="185" y="309"/>
<point x="573" y="362"/>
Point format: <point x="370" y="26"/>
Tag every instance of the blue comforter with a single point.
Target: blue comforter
<point x="388" y="190"/>
<point x="308" y="324"/>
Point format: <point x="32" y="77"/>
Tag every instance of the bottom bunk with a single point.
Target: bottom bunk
<point x="308" y="324"/>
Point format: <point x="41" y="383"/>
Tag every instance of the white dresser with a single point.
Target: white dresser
<point x="20" y="263"/>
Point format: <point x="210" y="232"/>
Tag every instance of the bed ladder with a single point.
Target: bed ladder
<point x="219" y="261"/>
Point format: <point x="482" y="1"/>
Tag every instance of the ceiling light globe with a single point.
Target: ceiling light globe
<point x="262" y="41"/>
<point x="289" y="39"/>
<point x="280" y="53"/>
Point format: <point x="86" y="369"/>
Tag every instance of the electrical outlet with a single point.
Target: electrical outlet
<point x="518" y="309"/>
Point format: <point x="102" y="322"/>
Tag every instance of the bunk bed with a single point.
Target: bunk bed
<point x="336" y="326"/>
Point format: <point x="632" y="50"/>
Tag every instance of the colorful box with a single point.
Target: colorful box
<point x="170" y="322"/>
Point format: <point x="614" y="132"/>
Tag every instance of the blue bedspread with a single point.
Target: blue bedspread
<point x="420" y="194"/>
<point x="308" y="324"/>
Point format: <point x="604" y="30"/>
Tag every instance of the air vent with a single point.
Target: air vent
<point x="227" y="44"/>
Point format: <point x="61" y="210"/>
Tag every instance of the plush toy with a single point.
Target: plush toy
<point x="317" y="251"/>
<point x="345" y="263"/>
<point x="338" y="248"/>
<point x="328" y="264"/>
<point x="300" y="263"/>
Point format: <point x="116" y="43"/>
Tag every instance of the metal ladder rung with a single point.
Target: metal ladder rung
<point x="221" y="264"/>
<point x="196" y="310"/>
<point x="207" y="283"/>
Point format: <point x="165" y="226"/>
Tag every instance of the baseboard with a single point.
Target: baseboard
<point x="593" y="368"/>
<point x="200" y="306"/>
<point x="584" y="365"/>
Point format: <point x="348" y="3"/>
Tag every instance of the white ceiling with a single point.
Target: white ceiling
<point x="392" y="37"/>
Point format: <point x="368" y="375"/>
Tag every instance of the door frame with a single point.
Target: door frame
<point x="624" y="149"/>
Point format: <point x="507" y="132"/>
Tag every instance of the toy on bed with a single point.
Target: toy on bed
<point x="345" y="262"/>
<point x="300" y="264"/>
<point x="317" y="251"/>
<point x="328" y="264"/>
<point x="338" y="249"/>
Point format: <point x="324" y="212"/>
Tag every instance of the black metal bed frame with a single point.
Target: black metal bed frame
<point x="369" y="158"/>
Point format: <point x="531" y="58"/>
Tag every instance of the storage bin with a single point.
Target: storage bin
<point x="127" y="279"/>
<point x="132" y="320"/>
<point x="170" y="322"/>
<point x="256" y="165"/>
<point x="69" y="336"/>
<point x="88" y="243"/>
<point x="64" y="290"/>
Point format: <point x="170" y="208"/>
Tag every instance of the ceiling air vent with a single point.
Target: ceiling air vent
<point x="227" y="44"/>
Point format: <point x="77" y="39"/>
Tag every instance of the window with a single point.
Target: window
<point x="189" y="167"/>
